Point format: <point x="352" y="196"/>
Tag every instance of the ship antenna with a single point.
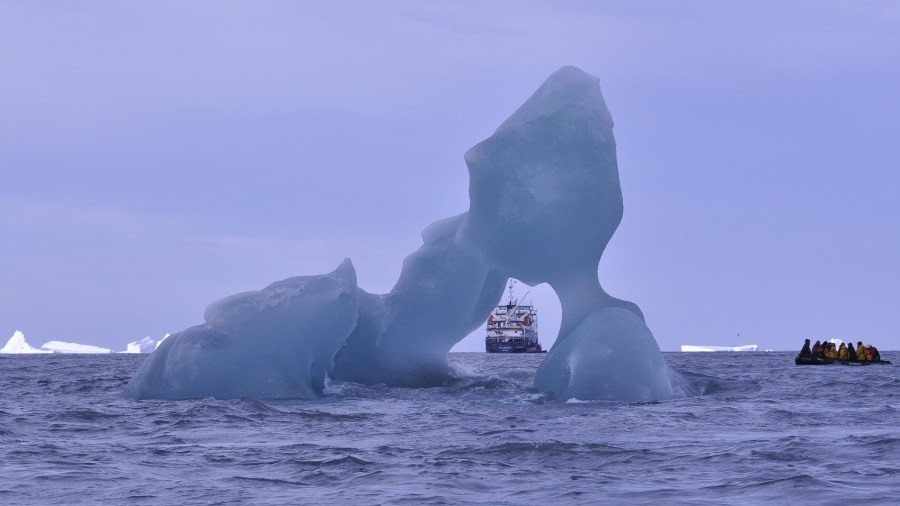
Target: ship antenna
<point x="515" y="304"/>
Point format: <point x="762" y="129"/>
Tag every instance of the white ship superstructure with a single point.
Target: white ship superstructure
<point x="512" y="327"/>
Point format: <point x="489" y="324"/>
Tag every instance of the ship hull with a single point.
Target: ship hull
<point x="512" y="328"/>
<point x="512" y="348"/>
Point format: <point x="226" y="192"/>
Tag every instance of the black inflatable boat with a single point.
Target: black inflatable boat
<point x="814" y="360"/>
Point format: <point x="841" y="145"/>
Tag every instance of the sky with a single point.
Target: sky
<point x="158" y="156"/>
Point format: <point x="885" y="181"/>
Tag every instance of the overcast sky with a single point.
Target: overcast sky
<point x="157" y="156"/>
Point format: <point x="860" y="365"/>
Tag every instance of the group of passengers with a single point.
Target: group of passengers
<point x="843" y="352"/>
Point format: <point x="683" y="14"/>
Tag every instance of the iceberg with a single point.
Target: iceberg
<point x="403" y="338"/>
<point x="277" y="342"/>
<point x="145" y="345"/>
<point x="18" y="346"/>
<point x="550" y="173"/>
<point x="695" y="348"/>
<point x="64" y="347"/>
<point x="548" y="179"/>
<point x="277" y="346"/>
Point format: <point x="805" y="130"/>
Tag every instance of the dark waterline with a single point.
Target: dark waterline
<point x="764" y="430"/>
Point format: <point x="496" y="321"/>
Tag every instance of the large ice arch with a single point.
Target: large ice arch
<point x="549" y="173"/>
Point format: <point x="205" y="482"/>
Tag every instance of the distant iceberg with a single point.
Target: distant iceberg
<point x="18" y="346"/>
<point x="63" y="347"/>
<point x="691" y="348"/>
<point x="145" y="345"/>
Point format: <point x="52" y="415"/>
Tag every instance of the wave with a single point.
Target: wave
<point x="347" y="460"/>
<point x="81" y="415"/>
<point x="517" y="449"/>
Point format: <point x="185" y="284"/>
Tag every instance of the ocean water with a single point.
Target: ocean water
<point x="763" y="431"/>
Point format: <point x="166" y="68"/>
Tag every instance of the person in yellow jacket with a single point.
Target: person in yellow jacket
<point x="830" y="352"/>
<point x="860" y="352"/>
<point x="843" y="353"/>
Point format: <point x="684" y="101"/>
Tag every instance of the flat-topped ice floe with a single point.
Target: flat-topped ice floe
<point x="64" y="347"/>
<point x="693" y="348"/>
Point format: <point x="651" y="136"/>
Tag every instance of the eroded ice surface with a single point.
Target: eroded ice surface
<point x="549" y="173"/>
<point x="445" y="291"/>
<point x="544" y="202"/>
<point x="277" y="342"/>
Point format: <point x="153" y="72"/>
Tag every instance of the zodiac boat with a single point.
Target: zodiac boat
<point x="512" y="327"/>
<point x="814" y="360"/>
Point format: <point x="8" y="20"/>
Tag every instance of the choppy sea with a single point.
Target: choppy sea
<point x="763" y="431"/>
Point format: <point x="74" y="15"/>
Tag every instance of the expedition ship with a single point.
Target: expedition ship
<point x="512" y="327"/>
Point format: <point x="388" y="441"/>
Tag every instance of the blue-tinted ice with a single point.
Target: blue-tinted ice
<point x="544" y="202"/>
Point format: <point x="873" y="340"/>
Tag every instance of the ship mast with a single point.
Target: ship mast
<point x="512" y="304"/>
